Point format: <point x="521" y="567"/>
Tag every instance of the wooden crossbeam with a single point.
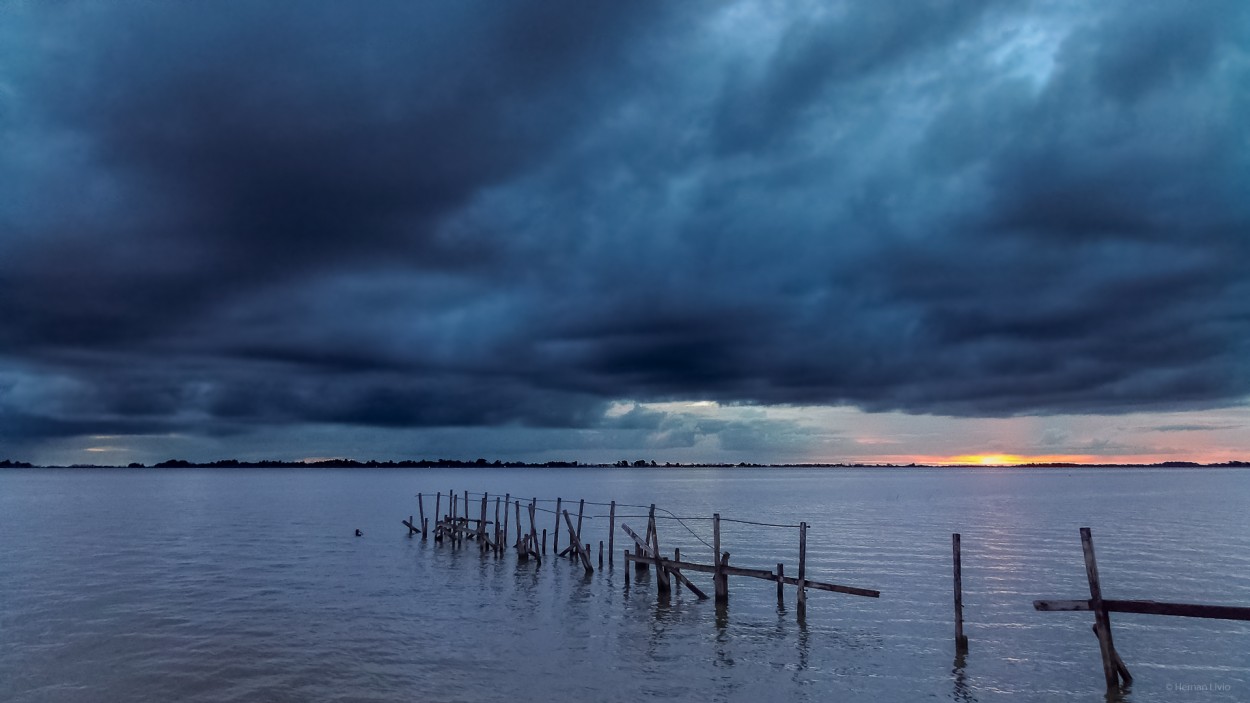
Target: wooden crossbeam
<point x="1149" y="607"/>
<point x="762" y="574"/>
<point x="577" y="543"/>
<point x="670" y="566"/>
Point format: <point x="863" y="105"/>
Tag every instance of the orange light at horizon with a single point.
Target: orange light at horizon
<point x="1015" y="459"/>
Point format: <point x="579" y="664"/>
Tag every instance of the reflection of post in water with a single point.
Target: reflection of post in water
<point x="961" y="692"/>
<point x="804" y="641"/>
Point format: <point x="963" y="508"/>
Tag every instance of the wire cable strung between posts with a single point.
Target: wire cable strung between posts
<point x="680" y="519"/>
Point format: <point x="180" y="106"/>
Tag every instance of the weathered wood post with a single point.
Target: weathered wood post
<point x="720" y="580"/>
<point x="961" y="640"/>
<point x="611" y="532"/>
<point x="438" y="531"/>
<point x="638" y="565"/>
<point x="534" y="532"/>
<point x="626" y="562"/>
<point x="781" y="582"/>
<point x="544" y="540"/>
<point x="555" y="534"/>
<point x="452" y="522"/>
<point x="1112" y="665"/>
<point x="518" y="521"/>
<point x="600" y="554"/>
<point x="498" y="540"/>
<point x="421" y="513"/>
<point x="661" y="574"/>
<point x="481" y="524"/>
<point x="507" y="503"/>
<point x="802" y="598"/>
<point x="581" y="507"/>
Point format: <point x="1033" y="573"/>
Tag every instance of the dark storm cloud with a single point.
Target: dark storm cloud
<point x="436" y="214"/>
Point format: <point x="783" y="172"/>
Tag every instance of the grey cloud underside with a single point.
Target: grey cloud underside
<point x="466" y="214"/>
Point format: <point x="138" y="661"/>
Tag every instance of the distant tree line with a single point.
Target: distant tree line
<point x="622" y="464"/>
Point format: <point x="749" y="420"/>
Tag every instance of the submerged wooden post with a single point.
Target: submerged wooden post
<point x="781" y="582"/>
<point x="661" y="574"/>
<point x="507" y="503"/>
<point x="421" y="513"/>
<point x="626" y="563"/>
<point x="555" y="535"/>
<point x="452" y="522"/>
<point x="544" y="540"/>
<point x="802" y="598"/>
<point x="581" y="507"/>
<point x="1113" y="667"/>
<point x="600" y="554"/>
<point x="534" y="532"/>
<point x="611" y="532"/>
<point x="438" y="531"/>
<point x="720" y="580"/>
<point x="961" y="640"/>
<point x="638" y="565"/>
<point x="518" y="521"/>
<point x="481" y="524"/>
<point x="498" y="537"/>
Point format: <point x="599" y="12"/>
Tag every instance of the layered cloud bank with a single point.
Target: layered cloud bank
<point x="216" y="219"/>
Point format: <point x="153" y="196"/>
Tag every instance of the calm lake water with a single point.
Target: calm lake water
<point x="249" y="585"/>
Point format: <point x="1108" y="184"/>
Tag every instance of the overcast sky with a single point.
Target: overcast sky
<point x="826" y="231"/>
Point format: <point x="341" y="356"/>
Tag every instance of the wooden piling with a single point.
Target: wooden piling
<point x="481" y="524"/>
<point x="600" y="554"/>
<point x="720" y="580"/>
<point x="961" y="640"/>
<point x="438" y="531"/>
<point x="455" y="517"/>
<point x="802" y="597"/>
<point x="421" y="513"/>
<point x="498" y="537"/>
<point x="781" y="582"/>
<point x="626" y="563"/>
<point x="507" y="503"/>
<point x="1113" y="667"/>
<point x="661" y="574"/>
<point x="611" y="532"/>
<point x="534" y="532"/>
<point x="518" y="522"/>
<point x="581" y="507"/>
<point x="555" y="535"/>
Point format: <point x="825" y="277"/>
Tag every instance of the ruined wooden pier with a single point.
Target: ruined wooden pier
<point x="466" y="521"/>
<point x="457" y="527"/>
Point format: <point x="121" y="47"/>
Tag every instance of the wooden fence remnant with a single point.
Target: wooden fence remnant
<point x="1114" y="669"/>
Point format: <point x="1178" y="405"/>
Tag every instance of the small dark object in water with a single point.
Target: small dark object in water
<point x="359" y="533"/>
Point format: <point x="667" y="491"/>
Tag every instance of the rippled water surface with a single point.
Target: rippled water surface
<point x="221" y="585"/>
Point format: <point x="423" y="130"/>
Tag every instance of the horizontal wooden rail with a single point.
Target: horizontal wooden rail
<point x="1149" y="607"/>
<point x="760" y="574"/>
